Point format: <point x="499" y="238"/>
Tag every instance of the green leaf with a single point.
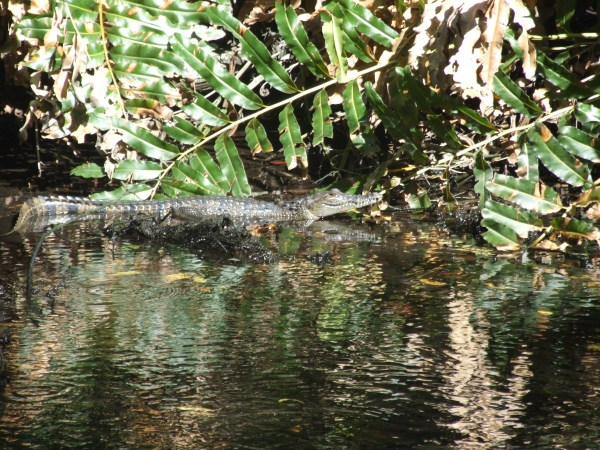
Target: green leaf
<point x="178" y="187"/>
<point x="500" y="236"/>
<point x="321" y="122"/>
<point x="203" y="163"/>
<point x="157" y="90"/>
<point x="121" y="35"/>
<point x="91" y="170"/>
<point x="579" y="143"/>
<point x="290" y="137"/>
<point x="232" y="165"/>
<point x="559" y="76"/>
<point x="131" y="192"/>
<point x="419" y="200"/>
<point x="528" y="194"/>
<point x="564" y="14"/>
<point x="354" y="107"/>
<point x="215" y="75"/>
<point x="574" y="228"/>
<point x="402" y="103"/>
<point x="514" y="96"/>
<point x="556" y="159"/>
<point x="138" y="170"/>
<point x="448" y="135"/>
<point x="527" y="162"/>
<point x="393" y="125"/>
<point x="192" y="176"/>
<point x="363" y="20"/>
<point x="139" y="20"/>
<point x="420" y="93"/>
<point x="205" y="112"/>
<point x="587" y="113"/>
<point x="353" y="43"/>
<point x="254" y="50"/>
<point x="474" y="121"/>
<point x="139" y="139"/>
<point x="183" y="131"/>
<point x="256" y="137"/>
<point x="182" y="14"/>
<point x="483" y="174"/>
<point x="365" y="140"/>
<point x="522" y="222"/>
<point x="334" y="44"/>
<point x="295" y="37"/>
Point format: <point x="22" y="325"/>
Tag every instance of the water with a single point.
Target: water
<point x="417" y="339"/>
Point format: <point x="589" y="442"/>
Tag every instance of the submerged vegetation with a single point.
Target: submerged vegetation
<point x="441" y="91"/>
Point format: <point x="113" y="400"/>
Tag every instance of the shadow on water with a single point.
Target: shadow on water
<point x="408" y="338"/>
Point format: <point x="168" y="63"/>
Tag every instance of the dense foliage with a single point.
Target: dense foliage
<point x="437" y="90"/>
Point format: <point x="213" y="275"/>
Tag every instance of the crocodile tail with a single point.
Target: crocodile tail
<point x="37" y="209"/>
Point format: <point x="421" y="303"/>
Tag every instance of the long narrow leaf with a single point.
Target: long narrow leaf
<point x="142" y="140"/>
<point x="321" y="122"/>
<point x="137" y="170"/>
<point x="232" y="165"/>
<point x="364" y="21"/>
<point x="354" y="107"/>
<point x="500" y="236"/>
<point x="514" y="96"/>
<point x="295" y="37"/>
<point x="579" y="143"/>
<point x="216" y="76"/>
<point x="528" y="194"/>
<point x="291" y="139"/>
<point x="254" y="50"/>
<point x="183" y="131"/>
<point x="559" y="161"/>
<point x="522" y="222"/>
<point x="334" y="43"/>
<point x="257" y="139"/>
<point x="203" y="163"/>
<point x="197" y="178"/>
<point x="205" y="112"/>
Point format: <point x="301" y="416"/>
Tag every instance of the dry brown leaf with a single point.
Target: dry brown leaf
<point x="493" y="36"/>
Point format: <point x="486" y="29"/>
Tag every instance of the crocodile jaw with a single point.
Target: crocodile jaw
<point x="333" y="202"/>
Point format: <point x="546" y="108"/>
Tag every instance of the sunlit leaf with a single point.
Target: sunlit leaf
<point x="254" y="50"/>
<point x="556" y="158"/>
<point x="354" y="107"/>
<point x="528" y="194"/>
<point x="290" y="137"/>
<point x="334" y="43"/>
<point x="295" y="37"/>
<point x="514" y="96"/>
<point x="579" y="143"/>
<point x="562" y="78"/>
<point x="363" y="20"/>
<point x="574" y="228"/>
<point x="500" y="236"/>
<point x="527" y="161"/>
<point x="131" y="192"/>
<point x="215" y="75"/>
<point x="321" y="122"/>
<point x="183" y="131"/>
<point x="232" y="165"/>
<point x="521" y="221"/>
<point x="205" y="112"/>
<point x="194" y="177"/>
<point x="137" y="170"/>
<point x="203" y="163"/>
<point x="257" y="139"/>
<point x="142" y="140"/>
<point x="91" y="170"/>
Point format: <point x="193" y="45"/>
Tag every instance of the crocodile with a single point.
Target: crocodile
<point x="39" y="212"/>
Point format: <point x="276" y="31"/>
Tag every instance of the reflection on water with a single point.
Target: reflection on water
<point x="416" y="339"/>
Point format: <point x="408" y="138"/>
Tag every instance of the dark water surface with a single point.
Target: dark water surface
<point x="418" y="339"/>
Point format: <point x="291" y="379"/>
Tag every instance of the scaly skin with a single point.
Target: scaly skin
<point x="40" y="212"/>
